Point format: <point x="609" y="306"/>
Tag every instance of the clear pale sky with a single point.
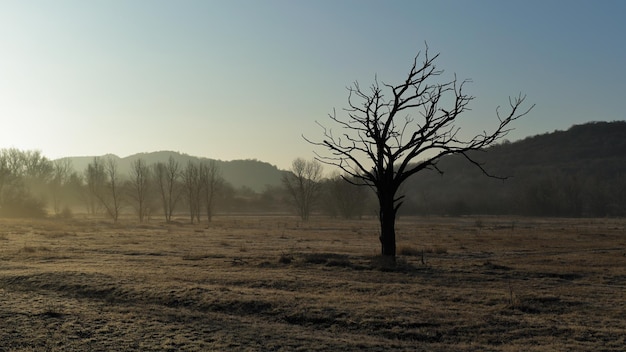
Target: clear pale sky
<point x="245" y="79"/>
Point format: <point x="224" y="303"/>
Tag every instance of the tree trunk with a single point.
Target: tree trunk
<point x="387" y="226"/>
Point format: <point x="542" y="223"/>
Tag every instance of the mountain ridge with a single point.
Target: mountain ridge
<point x="580" y="171"/>
<point x="250" y="173"/>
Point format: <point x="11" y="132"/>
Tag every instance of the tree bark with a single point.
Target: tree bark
<point x="387" y="226"/>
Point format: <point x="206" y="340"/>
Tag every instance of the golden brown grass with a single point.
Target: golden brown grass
<point x="272" y="283"/>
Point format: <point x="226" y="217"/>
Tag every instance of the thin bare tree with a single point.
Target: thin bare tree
<point x="392" y="132"/>
<point x="211" y="181"/>
<point x="193" y="189"/>
<point x="139" y="187"/>
<point x="166" y="177"/>
<point x="303" y="185"/>
<point x="113" y="200"/>
<point x="95" y="177"/>
<point x="103" y="181"/>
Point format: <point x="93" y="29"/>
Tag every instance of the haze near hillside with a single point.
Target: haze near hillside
<point x="254" y="174"/>
<point x="577" y="172"/>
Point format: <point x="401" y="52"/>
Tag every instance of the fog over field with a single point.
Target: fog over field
<point x="312" y="176"/>
<point x="576" y="172"/>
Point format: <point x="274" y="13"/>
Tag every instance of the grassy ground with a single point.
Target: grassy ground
<point x="276" y="284"/>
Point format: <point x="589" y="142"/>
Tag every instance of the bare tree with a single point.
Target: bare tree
<point x="104" y="183"/>
<point x="114" y="206"/>
<point x="211" y="181"/>
<point x="30" y="167"/>
<point x="193" y="189"/>
<point x="62" y="169"/>
<point x="387" y="138"/>
<point x="303" y="185"/>
<point x="93" y="182"/>
<point x="30" y="164"/>
<point x="139" y="187"/>
<point x="95" y="177"/>
<point x="166" y="177"/>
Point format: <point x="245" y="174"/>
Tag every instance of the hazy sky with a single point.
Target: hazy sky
<point x="245" y="79"/>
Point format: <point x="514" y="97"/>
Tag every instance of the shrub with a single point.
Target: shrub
<point x="285" y="258"/>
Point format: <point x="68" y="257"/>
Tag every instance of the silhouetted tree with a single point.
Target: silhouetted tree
<point x="193" y="189"/>
<point x="166" y="177"/>
<point x="303" y="185"/>
<point x="104" y="183"/>
<point x="386" y="139"/>
<point x="139" y="187"/>
<point x="95" y="177"/>
<point x="211" y="182"/>
<point x="114" y="186"/>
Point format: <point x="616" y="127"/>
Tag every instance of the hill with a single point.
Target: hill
<point x="253" y="174"/>
<point x="577" y="172"/>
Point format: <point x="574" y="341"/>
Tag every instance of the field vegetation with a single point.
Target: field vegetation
<point x="265" y="283"/>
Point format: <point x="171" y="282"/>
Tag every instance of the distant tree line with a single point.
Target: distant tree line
<point x="580" y="172"/>
<point x="336" y="196"/>
<point x="21" y="173"/>
<point x="162" y="187"/>
<point x="534" y="191"/>
<point x="33" y="186"/>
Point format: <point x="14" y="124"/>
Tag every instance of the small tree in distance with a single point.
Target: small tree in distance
<point x="303" y="185"/>
<point x="114" y="185"/>
<point x="103" y="181"/>
<point x="167" y="177"/>
<point x="386" y="139"/>
<point x="192" y="186"/>
<point x="139" y="186"/>
<point x="211" y="183"/>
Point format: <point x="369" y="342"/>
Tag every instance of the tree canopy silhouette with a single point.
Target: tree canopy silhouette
<point x="384" y="139"/>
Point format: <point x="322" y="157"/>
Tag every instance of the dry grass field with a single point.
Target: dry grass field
<point x="276" y="284"/>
